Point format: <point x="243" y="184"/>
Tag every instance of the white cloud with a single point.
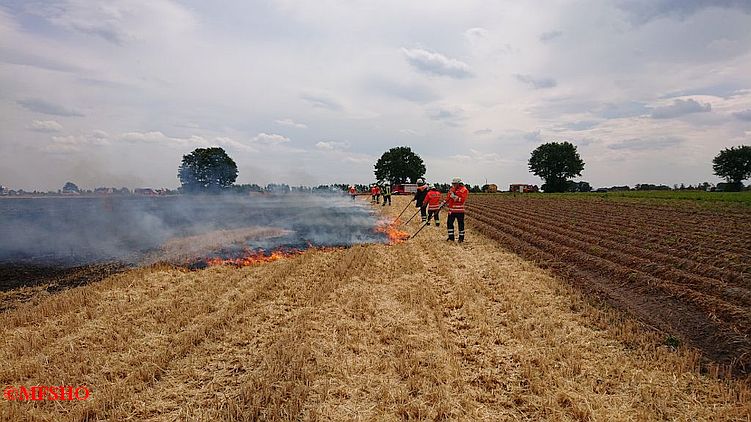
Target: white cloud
<point x="116" y="22"/>
<point x="75" y="143"/>
<point x="680" y="108"/>
<point x="46" y="126"/>
<point x="230" y="143"/>
<point x="436" y="63"/>
<point x="269" y="139"/>
<point x="140" y="70"/>
<point x="332" y="145"/>
<point x="291" y="123"/>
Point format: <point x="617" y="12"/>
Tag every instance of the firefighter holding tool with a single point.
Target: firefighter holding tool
<point x="420" y="193"/>
<point x="433" y="202"/>
<point x="456" y="199"/>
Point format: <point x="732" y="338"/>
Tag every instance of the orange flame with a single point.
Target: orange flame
<point x="261" y="257"/>
<point x="253" y="258"/>
<point x="395" y="235"/>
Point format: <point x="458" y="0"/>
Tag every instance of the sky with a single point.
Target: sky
<point x="114" y="93"/>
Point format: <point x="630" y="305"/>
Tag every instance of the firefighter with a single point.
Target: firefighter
<point x="372" y="193"/>
<point x="422" y="190"/>
<point x="377" y="193"/>
<point x="433" y="202"/>
<point x="352" y="191"/>
<point x="455" y="200"/>
<point x="386" y="192"/>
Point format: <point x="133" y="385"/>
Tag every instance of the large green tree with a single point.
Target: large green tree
<point x="207" y="170"/>
<point x="556" y="162"/>
<point x="734" y="165"/>
<point x="398" y="165"/>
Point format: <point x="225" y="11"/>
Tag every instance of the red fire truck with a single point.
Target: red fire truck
<point x="404" y="189"/>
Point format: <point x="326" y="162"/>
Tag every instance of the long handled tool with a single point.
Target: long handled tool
<point x="413" y="216"/>
<point x="426" y="222"/>
<point x="405" y="209"/>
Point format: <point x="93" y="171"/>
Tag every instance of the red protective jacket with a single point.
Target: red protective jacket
<point x="456" y="199"/>
<point x="352" y="191"/>
<point x="432" y="200"/>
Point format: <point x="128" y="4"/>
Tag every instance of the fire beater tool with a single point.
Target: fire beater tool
<point x="426" y="222"/>
<point x="413" y="216"/>
<point x="405" y="209"/>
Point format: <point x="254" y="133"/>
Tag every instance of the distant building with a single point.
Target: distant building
<point x="3" y="191"/>
<point x="144" y="191"/>
<point x="490" y="188"/>
<point x="523" y="188"/>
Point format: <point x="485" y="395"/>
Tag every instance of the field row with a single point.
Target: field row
<point x="672" y="270"/>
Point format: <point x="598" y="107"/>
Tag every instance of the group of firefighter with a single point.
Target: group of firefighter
<point x="430" y="202"/>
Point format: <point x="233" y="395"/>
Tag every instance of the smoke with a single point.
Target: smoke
<point x="84" y="230"/>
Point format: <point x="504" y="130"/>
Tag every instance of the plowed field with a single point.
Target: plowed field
<point x="682" y="268"/>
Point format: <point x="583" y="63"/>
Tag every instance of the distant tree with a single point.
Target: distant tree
<point x="207" y="170"/>
<point x="578" y="186"/>
<point x="398" y="165"/>
<point x="70" y="187"/>
<point x="556" y="162"/>
<point x="442" y="187"/>
<point x="734" y="165"/>
<point x="651" y="186"/>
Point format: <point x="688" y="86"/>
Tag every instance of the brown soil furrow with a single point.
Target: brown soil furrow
<point x="722" y="241"/>
<point x="722" y="342"/>
<point x="657" y="264"/>
<point x="722" y="260"/>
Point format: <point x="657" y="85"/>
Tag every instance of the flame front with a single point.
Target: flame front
<point x="254" y="258"/>
<point x="395" y="235"/>
<point x="261" y="256"/>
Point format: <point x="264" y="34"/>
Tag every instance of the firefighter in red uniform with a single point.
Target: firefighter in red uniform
<point x="352" y="191"/>
<point x="456" y="199"/>
<point x="433" y="202"/>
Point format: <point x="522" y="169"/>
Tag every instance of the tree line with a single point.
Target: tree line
<point x="556" y="163"/>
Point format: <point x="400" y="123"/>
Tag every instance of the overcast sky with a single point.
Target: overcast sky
<point x="306" y="92"/>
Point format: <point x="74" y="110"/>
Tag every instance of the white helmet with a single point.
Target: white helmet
<point x="420" y="181"/>
<point x="456" y="180"/>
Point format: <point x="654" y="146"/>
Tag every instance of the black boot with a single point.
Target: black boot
<point x="450" y="239"/>
<point x="461" y="239"/>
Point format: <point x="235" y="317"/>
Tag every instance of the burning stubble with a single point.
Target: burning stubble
<point x="135" y="230"/>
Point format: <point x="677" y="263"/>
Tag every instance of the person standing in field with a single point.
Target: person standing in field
<point x="377" y="193"/>
<point x="433" y="202"/>
<point x="456" y="199"/>
<point x="352" y="191"/>
<point x="372" y="193"/>
<point x="386" y="192"/>
<point x="422" y="190"/>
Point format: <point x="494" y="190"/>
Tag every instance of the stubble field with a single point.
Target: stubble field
<point x="417" y="330"/>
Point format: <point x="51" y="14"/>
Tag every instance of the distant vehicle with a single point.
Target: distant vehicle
<point x="522" y="188"/>
<point x="404" y="189"/>
<point x="490" y="188"/>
